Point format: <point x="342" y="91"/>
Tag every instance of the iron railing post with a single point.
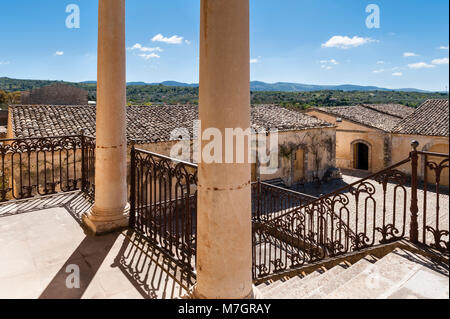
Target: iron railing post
<point x="414" y="209"/>
<point x="83" y="160"/>
<point x="258" y="199"/>
<point x="132" y="219"/>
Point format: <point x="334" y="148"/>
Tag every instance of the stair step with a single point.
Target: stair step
<point x="333" y="283"/>
<point x="307" y="287"/>
<point x="429" y="282"/>
<point x="267" y="290"/>
<point x="389" y="272"/>
<point x="267" y="286"/>
<point x="277" y="292"/>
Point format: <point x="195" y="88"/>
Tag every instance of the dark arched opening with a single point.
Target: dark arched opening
<point x="361" y="153"/>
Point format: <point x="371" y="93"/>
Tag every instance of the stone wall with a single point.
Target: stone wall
<point x="318" y="151"/>
<point x="319" y="154"/>
<point x="348" y="133"/>
<point x="57" y="94"/>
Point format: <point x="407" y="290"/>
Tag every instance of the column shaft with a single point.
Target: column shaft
<point x="224" y="249"/>
<point x="111" y="150"/>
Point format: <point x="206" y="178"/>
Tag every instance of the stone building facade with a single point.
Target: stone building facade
<point x="305" y="144"/>
<point x="56" y="94"/>
<point x="363" y="133"/>
<point x="428" y="125"/>
<point x="381" y="135"/>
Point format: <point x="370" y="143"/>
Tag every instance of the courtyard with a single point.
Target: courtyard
<point x="43" y="239"/>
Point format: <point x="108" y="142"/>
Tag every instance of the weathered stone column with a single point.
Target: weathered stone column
<point x="224" y="247"/>
<point x="111" y="152"/>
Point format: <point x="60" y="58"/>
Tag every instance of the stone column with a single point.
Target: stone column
<point x="111" y="152"/>
<point x="224" y="247"/>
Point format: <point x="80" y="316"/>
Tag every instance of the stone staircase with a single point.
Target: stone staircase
<point x="400" y="274"/>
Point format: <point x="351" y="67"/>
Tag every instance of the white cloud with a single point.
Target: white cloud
<point x="345" y="42"/>
<point x="172" y="40"/>
<point x="443" y="47"/>
<point x="187" y="41"/>
<point x="326" y="67"/>
<point x="255" y="60"/>
<point x="149" y="56"/>
<point x="380" y="62"/>
<point x="440" y="61"/>
<point x="4" y="62"/>
<point x="378" y="71"/>
<point x="397" y="74"/>
<point x="141" y="48"/>
<point x="420" y="65"/>
<point x="59" y="53"/>
<point x="409" y="54"/>
<point x="332" y="61"/>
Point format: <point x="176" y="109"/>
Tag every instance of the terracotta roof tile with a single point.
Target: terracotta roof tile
<point x="431" y="119"/>
<point x="378" y="117"/>
<point x="146" y="124"/>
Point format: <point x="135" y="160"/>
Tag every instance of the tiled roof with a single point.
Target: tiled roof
<point x="399" y="110"/>
<point x="146" y="124"/>
<point x="368" y="116"/>
<point x="431" y="119"/>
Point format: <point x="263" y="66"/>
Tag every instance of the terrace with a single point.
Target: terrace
<point x="50" y="187"/>
<point x="73" y="213"/>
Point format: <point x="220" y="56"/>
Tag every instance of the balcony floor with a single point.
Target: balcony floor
<point x="41" y="238"/>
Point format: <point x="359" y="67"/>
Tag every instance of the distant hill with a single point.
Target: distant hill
<point x="289" y="94"/>
<point x="292" y="87"/>
<point x="8" y="84"/>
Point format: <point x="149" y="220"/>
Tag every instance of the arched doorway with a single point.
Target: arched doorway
<point x="361" y="156"/>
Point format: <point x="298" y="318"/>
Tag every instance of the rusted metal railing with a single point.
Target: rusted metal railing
<point x="382" y="208"/>
<point x="163" y="196"/>
<point x="292" y="229"/>
<point x="46" y="165"/>
<point x="435" y="222"/>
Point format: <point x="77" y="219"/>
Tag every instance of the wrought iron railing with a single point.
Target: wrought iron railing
<point x="291" y="229"/>
<point x="435" y="222"/>
<point x="46" y="165"/>
<point x="382" y="208"/>
<point x="88" y="146"/>
<point x="270" y="201"/>
<point x="163" y="197"/>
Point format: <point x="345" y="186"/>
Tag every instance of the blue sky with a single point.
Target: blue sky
<point x="303" y="41"/>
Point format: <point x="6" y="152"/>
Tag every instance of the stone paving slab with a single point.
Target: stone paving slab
<point x="36" y="249"/>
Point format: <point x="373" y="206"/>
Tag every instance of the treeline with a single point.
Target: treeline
<point x="7" y="98"/>
<point x="160" y="94"/>
<point x="305" y="100"/>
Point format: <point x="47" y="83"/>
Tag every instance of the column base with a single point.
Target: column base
<point x="99" y="225"/>
<point x="254" y="294"/>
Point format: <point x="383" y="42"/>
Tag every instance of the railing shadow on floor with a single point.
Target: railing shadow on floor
<point x="152" y="273"/>
<point x="76" y="203"/>
<point x="430" y="263"/>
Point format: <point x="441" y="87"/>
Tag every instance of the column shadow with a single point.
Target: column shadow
<point x="88" y="256"/>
